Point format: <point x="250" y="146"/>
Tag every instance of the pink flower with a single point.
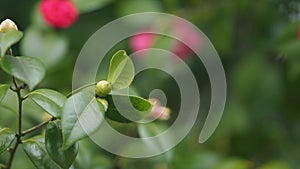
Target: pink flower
<point x="59" y="13"/>
<point x="188" y="39"/>
<point x="159" y="112"/>
<point x="142" y="40"/>
<point x="189" y="36"/>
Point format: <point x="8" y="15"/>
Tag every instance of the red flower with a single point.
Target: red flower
<point x="59" y="13"/>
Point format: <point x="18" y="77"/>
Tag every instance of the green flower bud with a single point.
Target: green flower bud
<point x="104" y="103"/>
<point x="103" y="87"/>
<point x="8" y="25"/>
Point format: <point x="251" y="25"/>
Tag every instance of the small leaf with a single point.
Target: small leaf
<point x="133" y="107"/>
<point x="54" y="143"/>
<point x="3" y="90"/>
<point x="27" y="69"/>
<point x="8" y="39"/>
<point x="35" y="150"/>
<point x="82" y="115"/>
<point x="121" y="70"/>
<point x="6" y="138"/>
<point x="91" y="5"/>
<point x="51" y="101"/>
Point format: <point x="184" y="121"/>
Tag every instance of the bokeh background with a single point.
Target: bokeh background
<point x="259" y="46"/>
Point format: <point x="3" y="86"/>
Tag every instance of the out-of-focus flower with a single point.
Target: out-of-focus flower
<point x="59" y="13"/>
<point x="142" y="40"/>
<point x="158" y="111"/>
<point x="189" y="36"/>
<point x="8" y="25"/>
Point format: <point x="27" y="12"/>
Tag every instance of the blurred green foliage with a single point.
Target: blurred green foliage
<point x="258" y="45"/>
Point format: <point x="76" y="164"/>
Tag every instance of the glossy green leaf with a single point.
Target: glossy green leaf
<point x="54" y="143"/>
<point x="8" y="39"/>
<point x="121" y="70"/>
<point x="36" y="151"/>
<point x="51" y="101"/>
<point x="126" y="109"/>
<point x="47" y="46"/>
<point x="3" y="90"/>
<point x="27" y="69"/>
<point x="82" y="115"/>
<point x="91" y="5"/>
<point x="6" y="138"/>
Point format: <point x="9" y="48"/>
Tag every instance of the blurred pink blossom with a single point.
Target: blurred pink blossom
<point x="58" y="13"/>
<point x="158" y="111"/>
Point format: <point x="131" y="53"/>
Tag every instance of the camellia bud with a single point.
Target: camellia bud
<point x="104" y="103"/>
<point x="7" y="26"/>
<point x="103" y="87"/>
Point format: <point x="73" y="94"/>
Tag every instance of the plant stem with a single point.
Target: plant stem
<point x="18" y="135"/>
<point x="37" y="126"/>
<point x="80" y="88"/>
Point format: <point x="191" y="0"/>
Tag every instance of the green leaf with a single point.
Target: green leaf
<point x="82" y="115"/>
<point x="54" y="143"/>
<point x="49" y="46"/>
<point x="6" y="138"/>
<point x="35" y="150"/>
<point x="3" y="90"/>
<point x="27" y="69"/>
<point x="121" y="70"/>
<point x="133" y="107"/>
<point x="91" y="5"/>
<point x="51" y="101"/>
<point x="8" y="39"/>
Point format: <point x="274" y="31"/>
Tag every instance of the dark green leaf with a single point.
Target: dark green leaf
<point x="132" y="107"/>
<point x="82" y="115"/>
<point x="3" y="90"/>
<point x="54" y="143"/>
<point x="8" y="39"/>
<point x="121" y="70"/>
<point x="6" y="138"/>
<point x="51" y="101"/>
<point x="37" y="153"/>
<point x="91" y="5"/>
<point x="27" y="69"/>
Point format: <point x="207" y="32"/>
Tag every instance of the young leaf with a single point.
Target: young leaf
<point x="54" y="143"/>
<point x="35" y="150"/>
<point x="121" y="70"/>
<point x="27" y="69"/>
<point x="8" y="39"/>
<point x="126" y="109"/>
<point x="6" y="138"/>
<point x="51" y="101"/>
<point x="82" y="115"/>
<point x="3" y="90"/>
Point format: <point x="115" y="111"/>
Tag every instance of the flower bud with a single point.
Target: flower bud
<point x="7" y="26"/>
<point x="103" y="87"/>
<point x="104" y="103"/>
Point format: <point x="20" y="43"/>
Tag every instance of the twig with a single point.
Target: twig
<point x="37" y="126"/>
